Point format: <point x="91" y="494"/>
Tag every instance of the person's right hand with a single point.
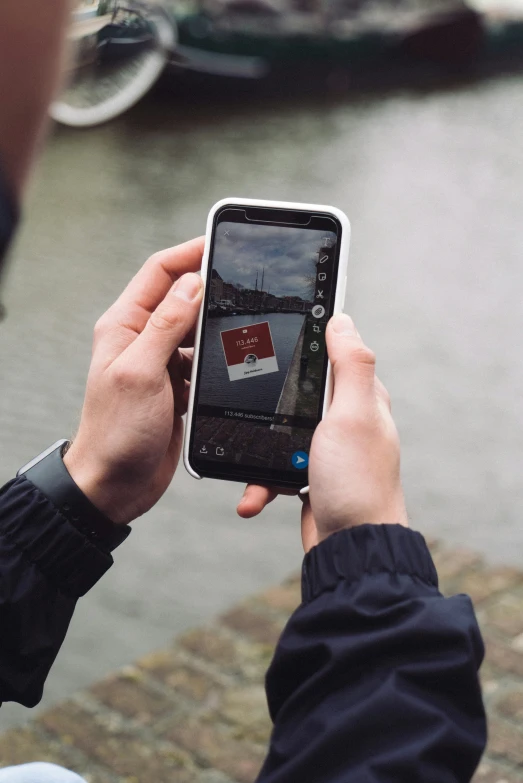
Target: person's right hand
<point x="354" y="464"/>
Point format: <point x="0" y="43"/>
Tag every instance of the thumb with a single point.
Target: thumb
<point x="168" y="325"/>
<point x="353" y="364"/>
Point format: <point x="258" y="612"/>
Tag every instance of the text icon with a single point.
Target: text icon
<point x="318" y="311"/>
<point x="323" y="259"/>
<point x="322" y="276"/>
<point x="219" y="451"/>
<point x="315" y="346"/>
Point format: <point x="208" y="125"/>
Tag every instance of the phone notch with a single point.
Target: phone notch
<point x="284" y="216"/>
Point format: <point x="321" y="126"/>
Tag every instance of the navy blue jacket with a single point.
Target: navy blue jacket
<point x="374" y="679"/>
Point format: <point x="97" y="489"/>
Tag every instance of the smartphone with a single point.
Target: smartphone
<point x="274" y="274"/>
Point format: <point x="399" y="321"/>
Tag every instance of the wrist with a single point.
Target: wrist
<point x="91" y="480"/>
<point x="392" y="513"/>
<point x="48" y="473"/>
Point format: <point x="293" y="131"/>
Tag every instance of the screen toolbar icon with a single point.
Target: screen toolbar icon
<point x="300" y="460"/>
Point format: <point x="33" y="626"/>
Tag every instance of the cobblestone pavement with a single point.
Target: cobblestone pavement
<point x="196" y="712"/>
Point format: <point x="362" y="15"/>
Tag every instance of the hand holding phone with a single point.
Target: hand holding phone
<point x="128" y="444"/>
<point x="354" y="467"/>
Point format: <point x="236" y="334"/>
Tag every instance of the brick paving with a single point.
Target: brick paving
<point x="196" y="712"/>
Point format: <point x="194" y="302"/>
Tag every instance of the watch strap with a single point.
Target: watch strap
<point x="49" y="474"/>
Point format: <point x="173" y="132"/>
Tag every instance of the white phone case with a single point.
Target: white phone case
<point x="341" y="285"/>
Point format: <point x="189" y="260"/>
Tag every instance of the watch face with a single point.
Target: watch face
<point x="58" y="445"/>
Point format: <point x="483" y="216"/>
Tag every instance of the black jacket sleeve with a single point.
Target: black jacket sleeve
<point x="375" y="678"/>
<point x="46" y="564"/>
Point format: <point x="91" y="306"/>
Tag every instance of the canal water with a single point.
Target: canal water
<point x="433" y="184"/>
<point x="262" y="393"/>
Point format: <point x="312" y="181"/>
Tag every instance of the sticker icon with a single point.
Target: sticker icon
<point x="322" y="276"/>
<point x="249" y="351"/>
<point x="318" y="311"/>
<point x="315" y="346"/>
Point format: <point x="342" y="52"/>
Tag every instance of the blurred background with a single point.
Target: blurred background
<point x="408" y="115"/>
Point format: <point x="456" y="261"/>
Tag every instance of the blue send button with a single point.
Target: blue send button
<point x="300" y="460"/>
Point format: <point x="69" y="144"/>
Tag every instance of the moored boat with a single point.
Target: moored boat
<point x="284" y="44"/>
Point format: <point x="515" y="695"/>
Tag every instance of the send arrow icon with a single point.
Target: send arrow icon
<point x="300" y="460"/>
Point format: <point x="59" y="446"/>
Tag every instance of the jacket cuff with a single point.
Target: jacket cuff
<point x="367" y="549"/>
<point x="64" y="555"/>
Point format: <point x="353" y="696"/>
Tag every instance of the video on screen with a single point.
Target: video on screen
<point x="264" y="346"/>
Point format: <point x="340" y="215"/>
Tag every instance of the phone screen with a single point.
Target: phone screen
<point x="263" y="362"/>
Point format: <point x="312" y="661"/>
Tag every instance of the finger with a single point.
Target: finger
<point x="187" y="355"/>
<point x="181" y="398"/>
<point x="254" y="500"/>
<point x="256" y="497"/>
<point x="179" y="369"/>
<point x="127" y="317"/>
<point x="188" y="341"/>
<point x="152" y="283"/>
<point x="180" y="363"/>
<point x="353" y="364"/>
<point x="183" y="403"/>
<point x="175" y="370"/>
<point x="171" y="321"/>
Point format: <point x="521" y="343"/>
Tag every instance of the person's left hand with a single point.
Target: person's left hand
<point x="129" y="440"/>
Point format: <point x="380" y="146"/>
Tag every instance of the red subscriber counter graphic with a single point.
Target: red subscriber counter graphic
<point x="249" y="351"/>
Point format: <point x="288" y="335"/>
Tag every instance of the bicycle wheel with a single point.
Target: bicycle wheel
<point x="118" y="53"/>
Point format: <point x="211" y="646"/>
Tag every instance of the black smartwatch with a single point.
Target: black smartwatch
<point x="49" y="474"/>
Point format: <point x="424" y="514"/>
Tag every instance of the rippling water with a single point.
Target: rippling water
<point x="433" y="184"/>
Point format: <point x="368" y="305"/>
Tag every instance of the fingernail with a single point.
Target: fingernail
<point x="188" y="287"/>
<point x="343" y="324"/>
